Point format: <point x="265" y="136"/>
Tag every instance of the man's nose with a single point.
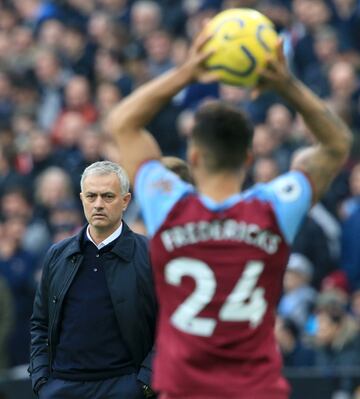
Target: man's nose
<point x="99" y="202"/>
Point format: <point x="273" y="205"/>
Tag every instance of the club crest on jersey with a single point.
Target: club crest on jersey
<point x="288" y="190"/>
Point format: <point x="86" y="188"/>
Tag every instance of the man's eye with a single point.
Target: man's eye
<point x="90" y="196"/>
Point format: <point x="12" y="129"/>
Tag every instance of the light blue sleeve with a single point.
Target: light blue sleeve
<point x="157" y="190"/>
<point x="291" y="197"/>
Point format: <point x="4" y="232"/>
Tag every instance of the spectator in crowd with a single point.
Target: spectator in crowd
<point x="299" y="297"/>
<point x="52" y="187"/>
<point x="265" y="169"/>
<point x="146" y="16"/>
<point x="289" y="337"/>
<point x="118" y="9"/>
<point x="65" y="220"/>
<point x="280" y="121"/>
<point x="51" y="79"/>
<point x="9" y="176"/>
<point x="265" y="144"/>
<point x="16" y="204"/>
<point x="23" y="51"/>
<point x="77" y="98"/>
<point x="326" y="52"/>
<point x="22" y="124"/>
<point x="311" y="15"/>
<point x="90" y="146"/>
<point x="50" y="34"/>
<point x="110" y="68"/>
<point x="9" y="18"/>
<point x="35" y="12"/>
<point x="6" y="322"/>
<point x="78" y="54"/>
<point x="158" y="48"/>
<point x="352" y="203"/>
<point x="40" y="153"/>
<point x="67" y="153"/>
<point x="108" y="354"/>
<point x="337" y="283"/>
<point x="344" y="93"/>
<point x="17" y="267"/>
<point x="106" y="96"/>
<point x="350" y="248"/>
<point x="337" y="341"/>
<point x="99" y="28"/>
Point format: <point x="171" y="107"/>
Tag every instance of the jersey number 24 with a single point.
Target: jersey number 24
<point x="246" y="302"/>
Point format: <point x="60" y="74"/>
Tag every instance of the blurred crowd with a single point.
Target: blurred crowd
<point x="65" y="63"/>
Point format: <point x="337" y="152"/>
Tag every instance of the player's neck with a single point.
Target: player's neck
<point x="220" y="186"/>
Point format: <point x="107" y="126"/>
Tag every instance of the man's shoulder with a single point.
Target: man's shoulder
<point x="141" y="239"/>
<point x="70" y="243"/>
<point x="142" y="247"/>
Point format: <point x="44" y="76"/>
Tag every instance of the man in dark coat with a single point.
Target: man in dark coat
<point x="92" y="327"/>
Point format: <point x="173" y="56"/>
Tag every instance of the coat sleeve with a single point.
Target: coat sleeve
<point x="145" y="372"/>
<point x="149" y="307"/>
<point x="39" y="325"/>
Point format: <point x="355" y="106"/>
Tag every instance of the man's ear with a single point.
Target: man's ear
<point x="126" y="199"/>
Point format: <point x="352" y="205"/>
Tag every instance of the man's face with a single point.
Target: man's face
<point x="103" y="202"/>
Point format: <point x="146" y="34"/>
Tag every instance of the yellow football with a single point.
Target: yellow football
<point x="242" y="39"/>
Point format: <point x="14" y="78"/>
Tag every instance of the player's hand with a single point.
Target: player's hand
<point x="197" y="57"/>
<point x="276" y="75"/>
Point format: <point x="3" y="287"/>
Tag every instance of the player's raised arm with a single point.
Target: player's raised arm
<point x="127" y="120"/>
<point x="322" y="161"/>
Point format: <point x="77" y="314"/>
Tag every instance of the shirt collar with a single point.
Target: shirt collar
<point x="107" y="240"/>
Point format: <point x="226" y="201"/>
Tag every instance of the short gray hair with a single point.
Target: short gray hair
<point x="106" y="168"/>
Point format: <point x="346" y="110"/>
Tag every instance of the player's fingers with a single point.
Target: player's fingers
<point x="204" y="22"/>
<point x="266" y="75"/>
<point x="202" y="39"/>
<point x="203" y="56"/>
<point x="270" y="64"/>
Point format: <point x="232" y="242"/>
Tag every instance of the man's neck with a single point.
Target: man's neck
<point x="99" y="235"/>
<point x="220" y="186"/>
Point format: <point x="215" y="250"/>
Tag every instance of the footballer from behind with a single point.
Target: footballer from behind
<point x="219" y="253"/>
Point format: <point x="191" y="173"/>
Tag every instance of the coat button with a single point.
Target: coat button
<point x="54" y="300"/>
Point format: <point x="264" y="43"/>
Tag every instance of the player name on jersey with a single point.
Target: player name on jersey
<point x="228" y="229"/>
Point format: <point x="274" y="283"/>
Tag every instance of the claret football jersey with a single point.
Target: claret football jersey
<point x="218" y="270"/>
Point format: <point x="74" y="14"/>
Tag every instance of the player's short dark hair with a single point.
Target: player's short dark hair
<point x="224" y="133"/>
